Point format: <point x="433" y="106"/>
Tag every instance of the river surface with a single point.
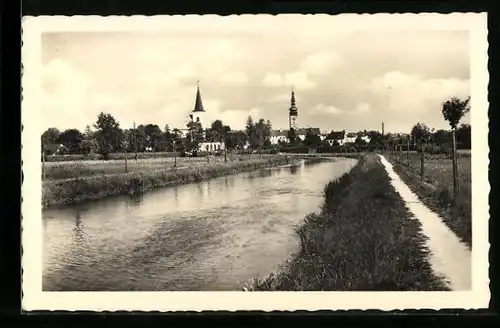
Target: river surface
<point x="211" y="235"/>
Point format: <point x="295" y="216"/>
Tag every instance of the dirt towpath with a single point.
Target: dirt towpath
<point x="449" y="257"/>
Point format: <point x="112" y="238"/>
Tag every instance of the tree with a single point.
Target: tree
<point x="292" y="136"/>
<point x="441" y="137"/>
<point x="194" y="136"/>
<point x="236" y="140"/>
<point x="154" y="137"/>
<point x="453" y="111"/>
<point x="71" y="139"/>
<point x="251" y="132"/>
<point x="89" y="146"/>
<point x="50" y="136"/>
<point x="421" y="133"/>
<point x="312" y="140"/>
<point x="376" y="139"/>
<point x="108" y="134"/>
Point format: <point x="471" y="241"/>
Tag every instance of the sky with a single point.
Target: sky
<point x="343" y="79"/>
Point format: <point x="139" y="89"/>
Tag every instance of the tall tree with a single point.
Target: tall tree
<point x="194" y="136"/>
<point x="50" y="136"/>
<point x="312" y="140"/>
<point x="420" y="133"/>
<point x="108" y="134"/>
<point x="154" y="136"/>
<point x="71" y="139"/>
<point x="251" y="132"/>
<point x="453" y="111"/>
<point x="292" y="136"/>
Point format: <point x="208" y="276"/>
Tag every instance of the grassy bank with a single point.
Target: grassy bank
<point x="79" y="169"/>
<point x="74" y="190"/>
<point x="436" y="191"/>
<point x="363" y="239"/>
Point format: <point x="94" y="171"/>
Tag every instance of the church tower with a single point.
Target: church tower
<point x="292" y="113"/>
<point x="198" y="111"/>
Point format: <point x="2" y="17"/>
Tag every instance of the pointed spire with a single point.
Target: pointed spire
<point x="198" y="105"/>
<point x="293" y="107"/>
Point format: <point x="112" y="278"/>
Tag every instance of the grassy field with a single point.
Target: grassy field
<point x="97" y="186"/>
<point x="437" y="189"/>
<point x="363" y="239"/>
<point x="90" y="168"/>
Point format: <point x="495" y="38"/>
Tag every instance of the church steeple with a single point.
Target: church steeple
<point x="292" y="112"/>
<point x="198" y="105"/>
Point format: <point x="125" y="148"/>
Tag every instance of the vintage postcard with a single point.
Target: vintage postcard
<point x="255" y="162"/>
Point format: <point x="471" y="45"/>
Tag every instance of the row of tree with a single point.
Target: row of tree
<point x="106" y="136"/>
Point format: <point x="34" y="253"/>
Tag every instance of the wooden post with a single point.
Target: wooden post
<point x="422" y="158"/>
<point x="43" y="162"/>
<point x="455" y="168"/>
<point x="135" y="142"/>
<point x="126" y="168"/>
<point x="408" y="151"/>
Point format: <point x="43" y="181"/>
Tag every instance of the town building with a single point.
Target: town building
<point x="335" y="137"/>
<point x="197" y="115"/>
<point x="278" y="136"/>
<point x="281" y="136"/>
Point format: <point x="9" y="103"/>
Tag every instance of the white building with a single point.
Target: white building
<point x="278" y="136"/>
<point x="197" y="115"/>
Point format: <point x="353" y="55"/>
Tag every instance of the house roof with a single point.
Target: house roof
<point x="304" y="131"/>
<point x="278" y="133"/>
<point x="336" y="135"/>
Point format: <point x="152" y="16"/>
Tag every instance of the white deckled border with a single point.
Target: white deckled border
<point x="35" y="299"/>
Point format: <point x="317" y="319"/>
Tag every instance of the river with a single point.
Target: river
<point x="211" y="235"/>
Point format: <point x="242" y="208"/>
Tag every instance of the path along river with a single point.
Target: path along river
<point x="212" y="235"/>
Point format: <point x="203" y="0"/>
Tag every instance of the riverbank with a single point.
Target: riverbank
<point x="70" y="191"/>
<point x="437" y="192"/>
<point x="363" y="239"/>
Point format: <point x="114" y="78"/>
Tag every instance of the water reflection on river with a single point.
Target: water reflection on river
<point x="212" y="235"/>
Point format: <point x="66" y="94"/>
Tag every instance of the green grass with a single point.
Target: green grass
<point x="93" y="168"/>
<point x="56" y="192"/>
<point x="436" y="191"/>
<point x="363" y="239"/>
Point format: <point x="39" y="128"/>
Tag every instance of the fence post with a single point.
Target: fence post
<point x="126" y="167"/>
<point x="408" y="151"/>
<point x="43" y="162"/>
<point x="455" y="168"/>
<point x="422" y="158"/>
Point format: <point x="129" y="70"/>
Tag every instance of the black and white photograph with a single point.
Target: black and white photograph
<point x="255" y="154"/>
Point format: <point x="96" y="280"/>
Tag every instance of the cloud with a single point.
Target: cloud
<point x="299" y="80"/>
<point x="64" y="91"/>
<point x="272" y="80"/>
<point x="321" y="63"/>
<point x="412" y="92"/>
<point x="282" y="97"/>
<point x="234" y="79"/>
<point x="363" y="107"/>
<point x="327" y="109"/>
<point x="151" y="77"/>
